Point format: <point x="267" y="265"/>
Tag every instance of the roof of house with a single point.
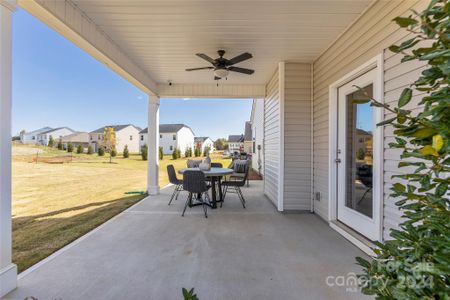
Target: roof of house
<point x="363" y="132"/>
<point x="235" y="138"/>
<point x="248" y="135"/>
<point x="38" y="131"/>
<point x="169" y="128"/>
<point x="116" y="128"/>
<point x="77" y="137"/>
<point x="200" y="139"/>
<point x="55" y="129"/>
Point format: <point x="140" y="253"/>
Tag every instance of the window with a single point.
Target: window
<point x="160" y="136"/>
<point x="142" y="137"/>
<point x="33" y="138"/>
<point x="174" y="137"/>
<point x="131" y="137"/>
<point x="171" y="147"/>
<point x="99" y="136"/>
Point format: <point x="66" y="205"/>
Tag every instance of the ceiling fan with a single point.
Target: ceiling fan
<point x="222" y="66"/>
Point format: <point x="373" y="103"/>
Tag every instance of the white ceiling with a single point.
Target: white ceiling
<point x="162" y="37"/>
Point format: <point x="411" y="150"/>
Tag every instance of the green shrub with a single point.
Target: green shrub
<point x="90" y="150"/>
<point x="101" y="151"/>
<point x="126" y="153"/>
<point x="69" y="147"/>
<point x="360" y="154"/>
<point x="174" y="154"/>
<point x="80" y="149"/>
<point x="113" y="153"/>
<point x="415" y="263"/>
<point x="60" y="145"/>
<point x="197" y="151"/>
<point x="144" y="152"/>
<point x="206" y="151"/>
<point x="178" y="153"/>
<point x="51" y="142"/>
<point x="161" y="153"/>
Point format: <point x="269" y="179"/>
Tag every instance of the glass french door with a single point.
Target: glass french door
<point x="357" y="161"/>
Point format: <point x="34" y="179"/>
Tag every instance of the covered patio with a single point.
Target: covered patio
<point x="150" y="252"/>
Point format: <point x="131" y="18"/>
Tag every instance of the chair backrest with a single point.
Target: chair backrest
<point x="216" y="165"/>
<point x="172" y="175"/>
<point x="240" y="166"/>
<point x="194" y="181"/>
<point x="193" y="163"/>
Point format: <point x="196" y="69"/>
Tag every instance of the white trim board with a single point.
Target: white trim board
<point x="374" y="63"/>
<point x="281" y="91"/>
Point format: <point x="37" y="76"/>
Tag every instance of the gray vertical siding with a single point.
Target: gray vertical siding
<point x="297" y="137"/>
<point x="272" y="139"/>
<point x="372" y="34"/>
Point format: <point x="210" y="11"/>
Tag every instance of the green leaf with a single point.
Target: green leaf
<point x="385" y="122"/>
<point x="405" y="22"/>
<point x="405" y="97"/>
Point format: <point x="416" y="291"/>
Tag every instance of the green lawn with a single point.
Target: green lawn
<point x="54" y="204"/>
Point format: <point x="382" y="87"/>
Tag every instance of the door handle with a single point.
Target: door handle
<point x="337" y="160"/>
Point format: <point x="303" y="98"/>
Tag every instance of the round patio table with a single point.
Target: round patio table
<point x="215" y="174"/>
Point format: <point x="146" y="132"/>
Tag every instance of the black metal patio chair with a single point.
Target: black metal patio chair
<point x="240" y="167"/>
<point x="194" y="182"/>
<point x="178" y="183"/>
<point x="234" y="186"/>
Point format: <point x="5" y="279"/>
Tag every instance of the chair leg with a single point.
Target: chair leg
<point x="224" y="193"/>
<point x="205" y="207"/>
<point x="187" y="202"/>
<point x="175" y="192"/>
<point x="179" y="189"/>
<point x="241" y="196"/>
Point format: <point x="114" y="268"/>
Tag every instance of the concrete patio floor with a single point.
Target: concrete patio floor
<point x="151" y="252"/>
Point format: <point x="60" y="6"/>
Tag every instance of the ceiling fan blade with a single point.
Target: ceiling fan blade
<point x="206" y="57"/>
<point x="217" y="78"/>
<point x="239" y="58"/>
<point x="241" y="70"/>
<point x="203" y="68"/>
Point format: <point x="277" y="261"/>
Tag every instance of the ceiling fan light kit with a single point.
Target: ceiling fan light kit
<point x="223" y="66"/>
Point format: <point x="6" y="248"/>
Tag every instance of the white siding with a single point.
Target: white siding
<point x="185" y="139"/>
<point x="297" y="137"/>
<point x="272" y="138"/>
<point x="369" y="36"/>
<point x="258" y="134"/>
<point x="128" y="136"/>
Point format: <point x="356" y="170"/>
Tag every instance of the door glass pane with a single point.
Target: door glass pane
<point x="359" y="156"/>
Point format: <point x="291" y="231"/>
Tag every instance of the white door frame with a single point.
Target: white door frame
<point x="378" y="93"/>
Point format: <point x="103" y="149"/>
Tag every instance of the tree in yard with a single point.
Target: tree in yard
<point x="206" y="151"/>
<point x="178" y="153"/>
<point x="197" y="151"/>
<point x="220" y="144"/>
<point x="90" y="150"/>
<point x="174" y="154"/>
<point x="112" y="153"/>
<point x="360" y="154"/>
<point x="161" y="153"/>
<point x="69" y="147"/>
<point x="101" y="151"/>
<point x="126" y="153"/>
<point x="80" y="149"/>
<point x="109" y="141"/>
<point x="60" y="145"/>
<point x="144" y="152"/>
<point x="415" y="263"/>
<point x="51" y="142"/>
<point x="186" y="152"/>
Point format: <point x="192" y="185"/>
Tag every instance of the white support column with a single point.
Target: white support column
<point x="153" y="145"/>
<point x="8" y="271"/>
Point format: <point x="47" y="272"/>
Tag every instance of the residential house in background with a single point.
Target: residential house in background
<point x="235" y="143"/>
<point x="204" y="142"/>
<point x="171" y="136"/>
<point x="57" y="133"/>
<point x="127" y="134"/>
<point x="76" y="139"/>
<point x="257" y="124"/>
<point x="31" y="137"/>
<point x="248" y="139"/>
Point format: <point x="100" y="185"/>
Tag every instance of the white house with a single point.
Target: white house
<point x="57" y="133"/>
<point x="235" y="143"/>
<point x="127" y="134"/>
<point x="31" y="137"/>
<point x="257" y="127"/>
<point x="203" y="142"/>
<point x="171" y="136"/>
<point x="248" y="139"/>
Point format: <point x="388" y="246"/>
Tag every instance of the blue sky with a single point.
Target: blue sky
<point x="57" y="84"/>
